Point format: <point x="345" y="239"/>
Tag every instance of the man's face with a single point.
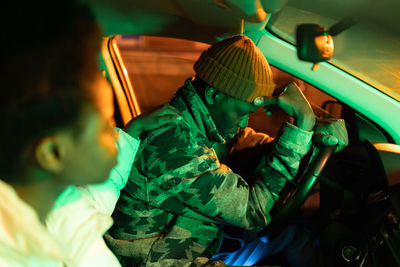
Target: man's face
<point x="92" y="154"/>
<point x="230" y="114"/>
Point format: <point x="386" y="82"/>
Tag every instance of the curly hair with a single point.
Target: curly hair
<point x="48" y="65"/>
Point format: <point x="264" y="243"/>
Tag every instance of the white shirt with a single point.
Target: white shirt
<point x="81" y="215"/>
<point x="24" y="240"/>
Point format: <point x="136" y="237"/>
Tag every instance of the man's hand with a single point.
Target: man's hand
<point x="147" y="122"/>
<point x="293" y="102"/>
<point x="331" y="132"/>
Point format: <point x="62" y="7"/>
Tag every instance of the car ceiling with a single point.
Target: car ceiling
<point x="200" y="20"/>
<point x="211" y="20"/>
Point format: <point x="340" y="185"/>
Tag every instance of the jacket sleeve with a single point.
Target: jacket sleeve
<point x="186" y="178"/>
<point x="256" y="154"/>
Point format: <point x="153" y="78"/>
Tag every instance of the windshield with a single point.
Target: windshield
<point x="368" y="53"/>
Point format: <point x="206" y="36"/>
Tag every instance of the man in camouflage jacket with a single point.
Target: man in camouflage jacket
<point x="179" y="193"/>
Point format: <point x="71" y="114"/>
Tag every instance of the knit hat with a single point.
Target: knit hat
<point x="236" y="67"/>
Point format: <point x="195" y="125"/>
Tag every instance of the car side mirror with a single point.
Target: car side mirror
<point x="314" y="43"/>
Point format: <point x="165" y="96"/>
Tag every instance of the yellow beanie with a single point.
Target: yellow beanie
<point x="236" y="67"/>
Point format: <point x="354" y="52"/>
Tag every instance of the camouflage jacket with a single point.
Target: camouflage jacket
<point x="179" y="193"/>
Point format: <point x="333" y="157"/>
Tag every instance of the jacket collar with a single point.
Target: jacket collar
<point x="187" y="99"/>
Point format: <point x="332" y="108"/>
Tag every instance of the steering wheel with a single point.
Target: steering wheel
<point x="296" y="200"/>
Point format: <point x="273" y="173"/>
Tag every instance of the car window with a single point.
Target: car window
<point x="158" y="66"/>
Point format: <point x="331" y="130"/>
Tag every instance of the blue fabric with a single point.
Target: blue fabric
<point x="292" y="239"/>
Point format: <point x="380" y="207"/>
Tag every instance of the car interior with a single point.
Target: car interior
<point x="357" y="192"/>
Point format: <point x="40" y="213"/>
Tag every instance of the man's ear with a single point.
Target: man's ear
<point x="209" y="95"/>
<point x="48" y="153"/>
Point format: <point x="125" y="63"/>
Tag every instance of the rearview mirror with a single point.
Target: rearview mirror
<point x="314" y="43"/>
